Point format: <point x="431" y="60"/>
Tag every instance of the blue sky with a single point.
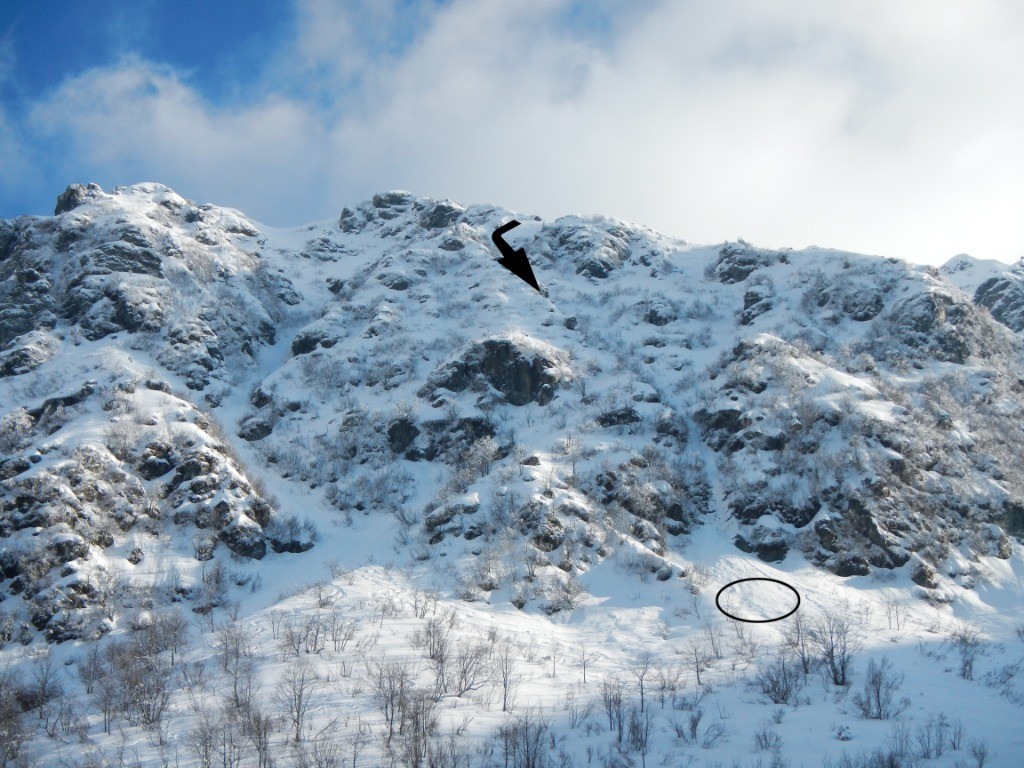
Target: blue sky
<point x="221" y="42"/>
<point x="883" y="127"/>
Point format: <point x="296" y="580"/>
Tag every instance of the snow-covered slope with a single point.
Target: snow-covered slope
<point x="995" y="286"/>
<point x="368" y="422"/>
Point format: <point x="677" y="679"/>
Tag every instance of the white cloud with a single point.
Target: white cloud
<point x="12" y="156"/>
<point x="139" y="122"/>
<point x="13" y="152"/>
<point x="882" y="127"/>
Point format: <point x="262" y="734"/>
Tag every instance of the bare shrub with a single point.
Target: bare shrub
<point x="879" y="758"/>
<point x="90" y="667"/>
<point x="900" y="740"/>
<point x="612" y="690"/>
<point x="168" y="632"/>
<point x="358" y="738"/>
<point x="798" y="638"/>
<point x="895" y="614"/>
<point x="713" y="734"/>
<point x="641" y="728"/>
<point x="291" y="637"/>
<point x="433" y="638"/>
<point x="235" y="645"/>
<point x="668" y="678"/>
<point x="322" y="751"/>
<point x="137" y="683"/>
<point x="470" y="668"/>
<point x="579" y="714"/>
<point x="525" y="741"/>
<point x="340" y="631"/>
<point x="640" y="669"/>
<point x="979" y="751"/>
<point x="714" y="633"/>
<point x="505" y="671"/>
<point x="108" y="583"/>
<point x="766" y="739"/>
<point x="201" y="738"/>
<point x="418" y="724"/>
<point x="568" y="593"/>
<point x="698" y="656"/>
<point x="297" y="692"/>
<point x="258" y="727"/>
<point x="314" y="634"/>
<point x="837" y="643"/>
<point x="779" y="681"/>
<point x="688" y="730"/>
<point x="13" y="731"/>
<point x="877" y="700"/>
<point x="222" y="737"/>
<point x="45" y="684"/>
<point x="932" y="737"/>
<point x="969" y="644"/>
<point x="390" y="682"/>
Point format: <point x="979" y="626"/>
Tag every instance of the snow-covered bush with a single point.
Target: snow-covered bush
<point x="15" y="430"/>
<point x="286" y="533"/>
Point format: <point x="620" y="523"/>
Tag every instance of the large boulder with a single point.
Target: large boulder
<point x="618" y="417"/>
<point x="244" y="538"/>
<point x="131" y="254"/>
<point x="1003" y="296"/>
<point x="401" y="433"/>
<point x="26" y="304"/>
<point x="157" y="459"/>
<point x="937" y="326"/>
<point x="738" y="261"/>
<point x="521" y="374"/>
<point x="389" y="205"/>
<point x="441" y="215"/>
<point x="74" y="196"/>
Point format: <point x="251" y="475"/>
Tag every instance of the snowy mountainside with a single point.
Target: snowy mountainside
<point x="198" y="407"/>
<point x="840" y="406"/>
<point x="807" y="388"/>
<point x="995" y="286"/>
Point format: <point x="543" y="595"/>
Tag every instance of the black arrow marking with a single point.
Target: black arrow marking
<point x="514" y="259"/>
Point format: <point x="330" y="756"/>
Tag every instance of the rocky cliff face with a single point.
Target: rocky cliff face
<point x="162" y="361"/>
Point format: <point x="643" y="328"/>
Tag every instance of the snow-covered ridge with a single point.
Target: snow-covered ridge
<point x="332" y="350"/>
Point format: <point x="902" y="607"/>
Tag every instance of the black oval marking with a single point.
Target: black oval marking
<point x="790" y="587"/>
